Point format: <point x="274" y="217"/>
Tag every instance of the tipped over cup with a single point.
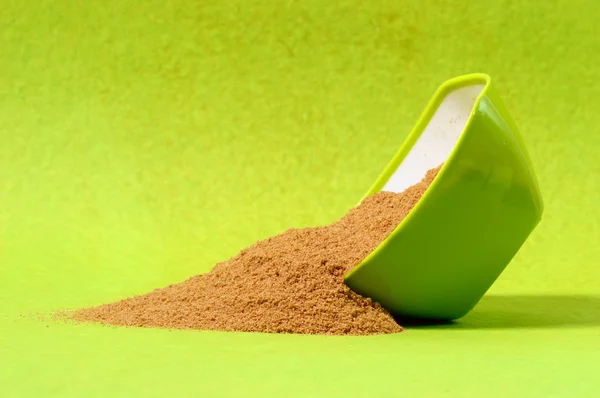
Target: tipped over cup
<point x="469" y="224"/>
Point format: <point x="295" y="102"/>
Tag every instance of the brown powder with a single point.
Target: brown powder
<point x="289" y="283"/>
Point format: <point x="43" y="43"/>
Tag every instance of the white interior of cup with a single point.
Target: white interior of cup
<point x="436" y="142"/>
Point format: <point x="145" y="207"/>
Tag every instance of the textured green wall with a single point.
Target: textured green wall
<point x="141" y="142"/>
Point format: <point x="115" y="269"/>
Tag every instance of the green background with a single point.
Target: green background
<point x="143" y="141"/>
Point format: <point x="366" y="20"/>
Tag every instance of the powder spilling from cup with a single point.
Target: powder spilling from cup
<point x="289" y="283"/>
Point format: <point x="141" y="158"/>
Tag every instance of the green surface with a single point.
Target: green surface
<point x="141" y="142"/>
<point x="476" y="214"/>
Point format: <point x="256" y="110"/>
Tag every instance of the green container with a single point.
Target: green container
<point x="479" y="210"/>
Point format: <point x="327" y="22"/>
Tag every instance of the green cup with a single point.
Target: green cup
<point x="443" y="257"/>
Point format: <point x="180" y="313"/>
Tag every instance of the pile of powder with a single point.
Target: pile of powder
<point x="289" y="283"/>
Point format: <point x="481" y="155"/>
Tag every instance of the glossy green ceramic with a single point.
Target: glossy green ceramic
<point x="471" y="221"/>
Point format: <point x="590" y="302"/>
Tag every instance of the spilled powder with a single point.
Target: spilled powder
<point x="289" y="283"/>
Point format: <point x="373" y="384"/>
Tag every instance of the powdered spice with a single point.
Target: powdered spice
<point x="289" y="283"/>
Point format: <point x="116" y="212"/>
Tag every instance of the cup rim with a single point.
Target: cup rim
<point x="443" y="90"/>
